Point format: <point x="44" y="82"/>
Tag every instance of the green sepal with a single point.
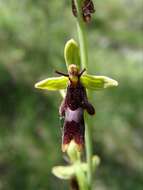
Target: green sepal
<point x="64" y="172"/>
<point x="67" y="172"/>
<point x="53" y="83"/>
<point x="95" y="163"/>
<point x="71" y="53"/>
<point x="73" y="151"/>
<point x="93" y="82"/>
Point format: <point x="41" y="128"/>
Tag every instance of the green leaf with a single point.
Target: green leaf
<point x="71" y="53"/>
<point x="53" y="83"/>
<point x="93" y="82"/>
<point x="64" y="172"/>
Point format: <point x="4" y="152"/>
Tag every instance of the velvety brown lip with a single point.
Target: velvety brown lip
<point x="72" y="110"/>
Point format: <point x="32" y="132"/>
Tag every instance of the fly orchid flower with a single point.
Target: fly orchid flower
<point x="75" y="82"/>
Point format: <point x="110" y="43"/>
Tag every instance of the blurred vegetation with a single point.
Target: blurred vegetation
<point x="32" y="38"/>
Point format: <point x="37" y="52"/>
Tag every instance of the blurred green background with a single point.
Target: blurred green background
<point x="32" y="38"/>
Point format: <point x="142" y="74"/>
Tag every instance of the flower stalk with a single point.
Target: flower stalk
<point x="84" y="63"/>
<point x="81" y="35"/>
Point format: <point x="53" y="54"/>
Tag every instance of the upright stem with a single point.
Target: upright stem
<point x="82" y="35"/>
<point x="84" y="62"/>
<point x="88" y="142"/>
<point x="81" y="177"/>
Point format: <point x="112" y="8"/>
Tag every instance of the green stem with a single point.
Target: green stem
<point x="83" y="185"/>
<point x="84" y="62"/>
<point x="81" y="35"/>
<point x="88" y="142"/>
<point x="75" y="158"/>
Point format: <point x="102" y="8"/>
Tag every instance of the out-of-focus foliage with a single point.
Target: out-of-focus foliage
<point x="32" y="38"/>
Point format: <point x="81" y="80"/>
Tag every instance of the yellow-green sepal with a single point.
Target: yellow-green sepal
<point x="93" y="82"/>
<point x="64" y="172"/>
<point x="53" y="83"/>
<point x="67" y="172"/>
<point x="71" y="53"/>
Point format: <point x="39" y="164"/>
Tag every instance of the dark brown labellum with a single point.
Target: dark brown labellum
<point x="72" y="109"/>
